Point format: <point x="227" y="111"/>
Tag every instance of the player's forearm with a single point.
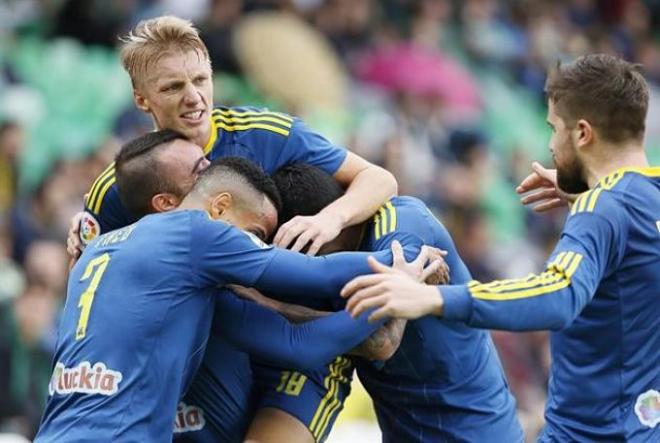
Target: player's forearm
<point x="550" y="300"/>
<point x="370" y="188"/>
<point x="304" y="346"/>
<point x="383" y="343"/>
<point x="553" y="310"/>
<point x="297" y="313"/>
<point x="316" y="277"/>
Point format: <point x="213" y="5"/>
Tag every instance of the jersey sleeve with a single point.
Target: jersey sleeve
<point x="306" y="146"/>
<point x="592" y="243"/>
<point x="223" y="254"/>
<point x="305" y="346"/>
<point x="104" y="206"/>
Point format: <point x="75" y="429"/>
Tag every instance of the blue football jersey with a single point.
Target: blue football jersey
<point x="142" y="291"/>
<point x="269" y="139"/>
<point x="600" y="293"/>
<point x="445" y="382"/>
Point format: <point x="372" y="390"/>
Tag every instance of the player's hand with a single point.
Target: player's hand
<point x="429" y="264"/>
<point x="73" y="243"/>
<point x="316" y="229"/>
<point x="542" y="188"/>
<point x="392" y="294"/>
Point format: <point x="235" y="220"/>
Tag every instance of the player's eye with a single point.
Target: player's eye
<point x="200" y="79"/>
<point x="171" y="87"/>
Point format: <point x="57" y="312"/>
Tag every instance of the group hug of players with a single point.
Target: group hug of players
<point x="182" y="323"/>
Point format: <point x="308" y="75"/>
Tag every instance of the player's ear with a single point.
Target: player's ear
<point x="165" y="202"/>
<point x="140" y="101"/>
<point x="219" y="204"/>
<point x="584" y="133"/>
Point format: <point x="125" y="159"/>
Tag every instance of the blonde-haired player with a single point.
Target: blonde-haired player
<point x="171" y="74"/>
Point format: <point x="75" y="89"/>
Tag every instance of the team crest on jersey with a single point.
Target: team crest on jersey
<point x="188" y="418"/>
<point x="85" y="379"/>
<point x="647" y="408"/>
<point x="89" y="228"/>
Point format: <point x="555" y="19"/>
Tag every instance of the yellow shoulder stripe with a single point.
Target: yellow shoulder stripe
<point x="556" y="276"/>
<point x="100" y="187"/>
<point x="233" y="112"/>
<point x="236" y="117"/>
<point x="586" y="202"/>
<point x="232" y="128"/>
<point x="385" y="220"/>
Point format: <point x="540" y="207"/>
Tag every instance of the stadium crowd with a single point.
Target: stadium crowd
<point x="447" y="95"/>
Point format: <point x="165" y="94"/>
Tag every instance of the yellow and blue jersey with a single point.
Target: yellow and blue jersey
<point x="269" y="139"/>
<point x="140" y="292"/>
<point x="445" y="382"/>
<point x="600" y="294"/>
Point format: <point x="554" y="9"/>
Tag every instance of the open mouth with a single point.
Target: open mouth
<point x="193" y="116"/>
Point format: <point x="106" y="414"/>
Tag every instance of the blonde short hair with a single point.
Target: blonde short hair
<point x="152" y="38"/>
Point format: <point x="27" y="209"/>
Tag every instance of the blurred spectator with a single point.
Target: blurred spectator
<point x="11" y="146"/>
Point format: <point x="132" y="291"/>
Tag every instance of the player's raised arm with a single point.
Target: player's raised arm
<point x="589" y="245"/>
<point x="305" y="346"/>
<point x="368" y="186"/>
<point x="228" y="255"/>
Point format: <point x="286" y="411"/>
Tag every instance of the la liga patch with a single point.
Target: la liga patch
<point x="647" y="408"/>
<point x="89" y="228"/>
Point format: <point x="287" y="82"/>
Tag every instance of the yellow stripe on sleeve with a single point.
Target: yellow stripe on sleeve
<point x="557" y="276"/>
<point x="107" y="175"/>
<point x="377" y="226"/>
<point x="500" y="283"/>
<point x="97" y="206"/>
<point x="383" y="221"/>
<point x="392" y="212"/>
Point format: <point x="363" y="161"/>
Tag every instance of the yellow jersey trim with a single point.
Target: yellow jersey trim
<point x="213" y="137"/>
<point x="612" y="179"/>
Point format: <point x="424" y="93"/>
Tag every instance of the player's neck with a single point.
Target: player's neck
<point x="204" y="136"/>
<point x="613" y="158"/>
<point x="193" y="201"/>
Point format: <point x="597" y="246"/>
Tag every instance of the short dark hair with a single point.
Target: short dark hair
<point x="140" y="175"/>
<point x="305" y="190"/>
<point x="605" y="90"/>
<point x="241" y="168"/>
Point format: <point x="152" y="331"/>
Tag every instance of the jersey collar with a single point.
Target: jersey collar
<point x="213" y="137"/>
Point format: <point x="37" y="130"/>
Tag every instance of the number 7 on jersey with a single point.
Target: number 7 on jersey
<point x="97" y="268"/>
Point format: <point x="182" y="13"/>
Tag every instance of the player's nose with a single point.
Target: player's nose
<point x="191" y="95"/>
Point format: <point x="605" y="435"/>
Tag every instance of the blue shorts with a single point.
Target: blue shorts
<point x="315" y="398"/>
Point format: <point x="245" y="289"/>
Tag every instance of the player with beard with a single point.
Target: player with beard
<point x="599" y="291"/>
